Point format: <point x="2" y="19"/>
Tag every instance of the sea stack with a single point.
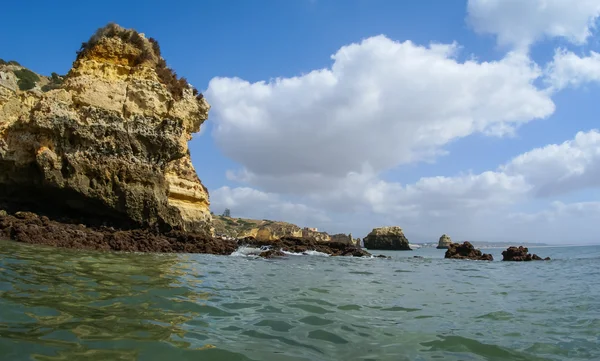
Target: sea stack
<point x="109" y="145"/>
<point x="521" y="254"/>
<point x="466" y="251"/>
<point x="444" y="242"/>
<point x="387" y="238"/>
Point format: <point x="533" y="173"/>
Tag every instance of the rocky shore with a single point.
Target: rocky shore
<point x="27" y="227"/>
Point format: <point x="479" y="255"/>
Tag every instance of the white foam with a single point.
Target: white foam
<point x="245" y="251"/>
<point x="307" y="253"/>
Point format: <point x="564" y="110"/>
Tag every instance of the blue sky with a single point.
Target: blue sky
<point x="348" y="150"/>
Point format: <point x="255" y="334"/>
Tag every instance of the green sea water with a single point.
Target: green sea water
<point x="58" y="304"/>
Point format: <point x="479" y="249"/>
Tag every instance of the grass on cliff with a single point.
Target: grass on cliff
<point x="150" y="51"/>
<point x="27" y="79"/>
<point x="56" y="82"/>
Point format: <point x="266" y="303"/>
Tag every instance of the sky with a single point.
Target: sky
<point x="475" y="118"/>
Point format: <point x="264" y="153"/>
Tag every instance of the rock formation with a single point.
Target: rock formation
<point x="266" y="230"/>
<point x="444" y="242"/>
<point x="109" y="145"/>
<point x="466" y="251"/>
<point x="387" y="238"/>
<point x="519" y="254"/>
<point x="302" y="245"/>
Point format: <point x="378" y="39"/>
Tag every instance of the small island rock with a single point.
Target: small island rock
<point x="387" y="238"/>
<point x="444" y="242"/>
<point x="520" y="254"/>
<point x="466" y="251"/>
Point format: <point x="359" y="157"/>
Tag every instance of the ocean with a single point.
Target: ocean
<point x="60" y="304"/>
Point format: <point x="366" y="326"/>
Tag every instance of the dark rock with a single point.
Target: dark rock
<point x="466" y="251"/>
<point x="29" y="228"/>
<point x="387" y="238"/>
<point x="521" y="254"/>
<point x="302" y="245"/>
<point x="417" y="256"/>
<point x="272" y="254"/>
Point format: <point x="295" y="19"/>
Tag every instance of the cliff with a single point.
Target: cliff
<point x="266" y="230"/>
<point x="387" y="238"/>
<point x="107" y="144"/>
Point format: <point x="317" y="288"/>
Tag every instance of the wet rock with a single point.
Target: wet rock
<point x="466" y="251"/>
<point x="521" y="254"/>
<point x="387" y="238"/>
<point x="272" y="254"/>
<point x="303" y="245"/>
<point x="29" y="228"/>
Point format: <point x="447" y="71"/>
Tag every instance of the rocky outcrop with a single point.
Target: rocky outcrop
<point x="521" y="254"/>
<point x="303" y="245"/>
<point x="387" y="238"/>
<point x="444" y="242"/>
<point x="109" y="146"/>
<point x="30" y="228"/>
<point x="466" y="251"/>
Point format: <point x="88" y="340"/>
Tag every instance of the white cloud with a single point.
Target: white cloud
<point x="246" y="202"/>
<point x="520" y="23"/>
<point x="381" y="104"/>
<point x="560" y="168"/>
<point x="468" y="206"/>
<point x="569" y="69"/>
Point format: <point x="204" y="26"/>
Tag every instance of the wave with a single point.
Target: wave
<point x="247" y="251"/>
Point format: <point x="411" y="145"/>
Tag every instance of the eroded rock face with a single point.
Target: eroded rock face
<point x="110" y="146"/>
<point x="444" y="242"/>
<point x="387" y="238"/>
<point x="520" y="254"/>
<point x="466" y="251"/>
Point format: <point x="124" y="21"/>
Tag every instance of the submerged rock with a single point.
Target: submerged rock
<point x="387" y="238"/>
<point x="110" y="144"/>
<point x="520" y="254"/>
<point x="444" y="242"/>
<point x="272" y="254"/>
<point x="466" y="251"/>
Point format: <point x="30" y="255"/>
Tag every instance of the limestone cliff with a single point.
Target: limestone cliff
<point x="266" y="230"/>
<point x="110" y="144"/>
<point x="387" y="238"/>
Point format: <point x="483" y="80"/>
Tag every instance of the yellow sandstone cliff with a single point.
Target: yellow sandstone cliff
<point x="110" y="145"/>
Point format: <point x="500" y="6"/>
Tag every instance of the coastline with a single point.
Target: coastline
<point x="31" y="228"/>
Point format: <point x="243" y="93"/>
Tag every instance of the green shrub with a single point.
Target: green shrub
<point x="13" y="62"/>
<point x="27" y="79"/>
<point x="2" y="62"/>
<point x="56" y="82"/>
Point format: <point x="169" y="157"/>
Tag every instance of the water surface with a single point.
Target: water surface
<point x="58" y="304"/>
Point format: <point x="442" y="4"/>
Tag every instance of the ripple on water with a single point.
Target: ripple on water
<point x="497" y="316"/>
<point x="401" y="309"/>
<point x="327" y="336"/>
<point x="315" y="321"/>
<point x="310" y="308"/>
<point x="275" y="325"/>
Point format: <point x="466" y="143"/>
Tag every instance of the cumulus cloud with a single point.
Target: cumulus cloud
<point x="520" y="23"/>
<point x="247" y="202"/>
<point x="560" y="168"/>
<point x="569" y="69"/>
<point x="475" y="206"/>
<point x="381" y="104"/>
